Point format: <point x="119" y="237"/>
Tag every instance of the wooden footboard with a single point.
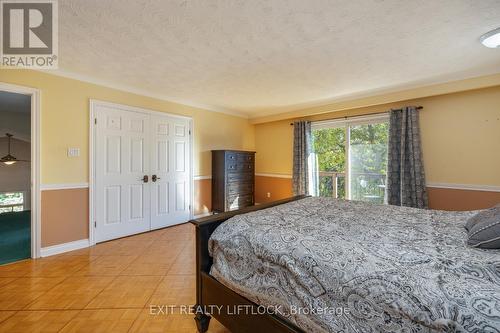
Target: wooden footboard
<point x="213" y="298"/>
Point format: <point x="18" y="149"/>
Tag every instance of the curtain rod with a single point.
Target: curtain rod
<point x="370" y="114"/>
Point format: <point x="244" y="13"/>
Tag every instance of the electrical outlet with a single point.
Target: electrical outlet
<point x="73" y="152"/>
<point x="268" y="194"/>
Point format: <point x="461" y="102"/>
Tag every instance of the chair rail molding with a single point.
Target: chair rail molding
<point x="67" y="186"/>
<point x="275" y="175"/>
<point x="468" y="187"/>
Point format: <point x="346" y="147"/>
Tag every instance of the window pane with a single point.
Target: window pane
<point x="329" y="146"/>
<point x="14" y="198"/>
<point x="368" y="161"/>
<point x="5" y="210"/>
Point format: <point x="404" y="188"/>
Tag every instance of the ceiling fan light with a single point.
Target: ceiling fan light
<point x="8" y="159"/>
<point x="491" y="39"/>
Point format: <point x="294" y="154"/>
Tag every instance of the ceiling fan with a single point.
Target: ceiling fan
<point x="9" y="159"/>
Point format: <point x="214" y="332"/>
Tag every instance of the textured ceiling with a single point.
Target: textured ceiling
<point x="259" y="57"/>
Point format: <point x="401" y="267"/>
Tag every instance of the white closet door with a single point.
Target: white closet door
<point x="122" y="197"/>
<point x="170" y="163"/>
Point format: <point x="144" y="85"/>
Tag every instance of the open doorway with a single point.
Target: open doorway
<point x="15" y="177"/>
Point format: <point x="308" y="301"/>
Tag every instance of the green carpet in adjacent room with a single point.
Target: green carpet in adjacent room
<point x="15" y="236"/>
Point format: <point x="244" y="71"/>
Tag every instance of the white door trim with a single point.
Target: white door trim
<point x="191" y="169"/>
<point x="92" y="132"/>
<point x="35" y="161"/>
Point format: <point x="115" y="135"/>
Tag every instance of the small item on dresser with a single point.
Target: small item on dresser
<point x="484" y="229"/>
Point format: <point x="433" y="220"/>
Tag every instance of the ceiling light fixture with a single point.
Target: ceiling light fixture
<point x="9" y="159"/>
<point x="491" y="39"/>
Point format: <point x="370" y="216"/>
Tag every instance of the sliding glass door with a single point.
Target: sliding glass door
<point x="352" y="157"/>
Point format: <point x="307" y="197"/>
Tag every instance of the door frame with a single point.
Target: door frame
<point x="36" y="110"/>
<point x="92" y="132"/>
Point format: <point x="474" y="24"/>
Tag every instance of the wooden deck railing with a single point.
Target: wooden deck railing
<point x="368" y="179"/>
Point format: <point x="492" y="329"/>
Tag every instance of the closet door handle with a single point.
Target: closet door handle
<point x="155" y="178"/>
<point x="145" y="179"/>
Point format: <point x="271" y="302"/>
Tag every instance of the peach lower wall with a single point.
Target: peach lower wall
<point x="65" y="216"/>
<point x="65" y="213"/>
<point x="454" y="199"/>
<point x="202" y="196"/>
<point x="439" y="198"/>
<point x="278" y="188"/>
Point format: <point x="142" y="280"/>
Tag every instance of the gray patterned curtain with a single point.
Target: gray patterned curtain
<point x="304" y="171"/>
<point x="405" y="168"/>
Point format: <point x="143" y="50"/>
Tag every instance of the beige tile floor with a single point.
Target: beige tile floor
<point x="106" y="288"/>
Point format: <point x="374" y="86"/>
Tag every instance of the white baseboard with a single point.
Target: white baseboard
<point x="65" y="247"/>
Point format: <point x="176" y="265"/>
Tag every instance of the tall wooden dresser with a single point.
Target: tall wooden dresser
<point x="233" y="179"/>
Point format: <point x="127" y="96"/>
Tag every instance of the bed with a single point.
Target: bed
<point x="327" y="265"/>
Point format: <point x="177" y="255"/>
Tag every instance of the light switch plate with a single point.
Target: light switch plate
<point x="73" y="152"/>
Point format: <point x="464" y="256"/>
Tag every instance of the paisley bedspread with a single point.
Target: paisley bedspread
<point x="330" y="265"/>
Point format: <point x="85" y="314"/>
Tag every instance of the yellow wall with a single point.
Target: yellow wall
<point x="460" y="137"/>
<point x="274" y="144"/>
<point x="65" y="123"/>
